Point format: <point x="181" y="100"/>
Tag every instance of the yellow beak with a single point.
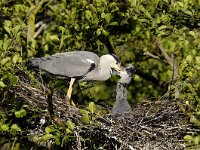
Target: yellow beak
<point x="117" y="67"/>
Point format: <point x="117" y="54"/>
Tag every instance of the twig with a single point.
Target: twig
<point x="15" y="139"/>
<point x="78" y="140"/>
<point x="168" y="59"/>
<point x="151" y="55"/>
<point x="39" y="23"/>
<point x="42" y="27"/>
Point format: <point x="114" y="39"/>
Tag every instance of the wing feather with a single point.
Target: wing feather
<point x="69" y="64"/>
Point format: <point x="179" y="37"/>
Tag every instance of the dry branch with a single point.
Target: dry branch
<point x="174" y="65"/>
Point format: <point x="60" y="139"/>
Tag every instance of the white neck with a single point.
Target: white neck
<point x="103" y="74"/>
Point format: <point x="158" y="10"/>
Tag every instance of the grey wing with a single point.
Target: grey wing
<point x="67" y="64"/>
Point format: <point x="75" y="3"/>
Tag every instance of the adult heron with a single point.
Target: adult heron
<point x="78" y="66"/>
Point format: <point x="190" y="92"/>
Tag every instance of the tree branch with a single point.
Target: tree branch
<point x="167" y="58"/>
<point x="151" y="55"/>
<point x="148" y="77"/>
<point x="43" y="26"/>
<point x="174" y="65"/>
<point x="108" y="42"/>
<point x="31" y="20"/>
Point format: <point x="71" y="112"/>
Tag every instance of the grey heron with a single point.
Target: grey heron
<point x="78" y="66"/>
<point x="121" y="105"/>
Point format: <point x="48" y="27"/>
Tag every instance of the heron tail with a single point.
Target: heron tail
<point x="33" y="63"/>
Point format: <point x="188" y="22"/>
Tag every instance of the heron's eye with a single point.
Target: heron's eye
<point x="118" y="63"/>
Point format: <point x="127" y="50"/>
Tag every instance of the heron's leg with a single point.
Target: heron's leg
<point x="81" y="92"/>
<point x="69" y="92"/>
<point x="56" y="119"/>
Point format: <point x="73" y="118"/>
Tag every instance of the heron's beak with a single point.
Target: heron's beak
<point x="117" y="67"/>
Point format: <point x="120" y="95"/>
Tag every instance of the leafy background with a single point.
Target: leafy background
<point x="135" y="30"/>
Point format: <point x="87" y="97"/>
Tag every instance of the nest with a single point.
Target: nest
<point x="151" y="125"/>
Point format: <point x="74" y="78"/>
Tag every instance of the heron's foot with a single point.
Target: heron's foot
<point x="72" y="103"/>
<point x="69" y="101"/>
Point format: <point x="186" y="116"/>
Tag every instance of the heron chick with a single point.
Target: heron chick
<point x="78" y="66"/>
<point x="121" y="105"/>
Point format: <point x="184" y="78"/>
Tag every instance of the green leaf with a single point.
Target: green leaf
<point x="92" y="107"/>
<point x="17" y="8"/>
<point x="68" y="131"/>
<point x="95" y="21"/>
<point x="36" y="138"/>
<point x="99" y="30"/>
<point x="192" y="33"/>
<point x="2" y="85"/>
<point x="188" y="137"/>
<point x="15" y="127"/>
<point x="105" y="32"/>
<point x="107" y="17"/>
<point x="4" y="127"/>
<point x="33" y="45"/>
<point x="49" y="130"/>
<point x="198" y="113"/>
<point x="193" y="118"/>
<point x="14" y="80"/>
<point x="147" y="34"/>
<point x="189" y="58"/>
<point x="114" y="23"/>
<point x="141" y="8"/>
<point x="85" y="119"/>
<point x="57" y="140"/>
<point x="162" y="27"/>
<point x="15" y="58"/>
<point x="133" y="3"/>
<point x="1" y="45"/>
<point x="21" y="113"/>
<point x="5" y="60"/>
<point x="7" y="29"/>
<point x="91" y="6"/>
<point x="196" y="140"/>
<point x="70" y="125"/>
<point x="148" y="15"/>
<point x="54" y="37"/>
<point x="62" y="28"/>
<point x="155" y="1"/>
<point x="188" y="12"/>
<point x="198" y="60"/>
<point x="83" y="111"/>
<point x="8" y="64"/>
<point x="64" y="139"/>
<point x="47" y="136"/>
<point x="172" y="45"/>
<point x="16" y="28"/>
<point x="180" y="4"/>
<point x="6" y="43"/>
<point x="7" y="25"/>
<point x="103" y="15"/>
<point x="88" y="14"/>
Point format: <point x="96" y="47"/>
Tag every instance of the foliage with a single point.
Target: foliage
<point x="89" y="115"/>
<point x="63" y="135"/>
<point x="128" y="28"/>
<point x="192" y="141"/>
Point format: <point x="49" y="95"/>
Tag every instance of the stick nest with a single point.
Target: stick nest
<point x="152" y="125"/>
